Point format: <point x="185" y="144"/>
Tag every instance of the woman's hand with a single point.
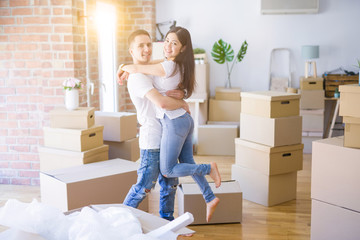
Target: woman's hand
<point x="186" y="107"/>
<point x="121" y="75"/>
<point x="178" y="94"/>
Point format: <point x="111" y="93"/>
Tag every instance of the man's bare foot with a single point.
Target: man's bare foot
<point x="210" y="208"/>
<point x="215" y="175"/>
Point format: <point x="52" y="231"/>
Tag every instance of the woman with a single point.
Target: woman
<point x="177" y="125"/>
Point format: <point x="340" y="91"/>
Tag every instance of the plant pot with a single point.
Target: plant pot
<point x="71" y="99"/>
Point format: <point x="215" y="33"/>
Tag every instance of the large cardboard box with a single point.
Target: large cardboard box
<point x="224" y="110"/>
<point x="82" y="117"/>
<point x="335" y="173"/>
<point x="229" y="94"/>
<point x="272" y="132"/>
<point x="229" y="210"/>
<point x="202" y="81"/>
<point x="312" y="120"/>
<point x="217" y="139"/>
<point x="268" y="160"/>
<point x="95" y="183"/>
<point x="118" y="126"/>
<point x="352" y="132"/>
<point x="264" y="189"/>
<point x="331" y="222"/>
<point x="73" y="139"/>
<point x="270" y="104"/>
<point x="53" y="158"/>
<point x="311" y="83"/>
<point x="128" y="150"/>
<point x="312" y="99"/>
<point x="308" y="138"/>
<point x="349" y="99"/>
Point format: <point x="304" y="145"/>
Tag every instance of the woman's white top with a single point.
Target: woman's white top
<point x="169" y="82"/>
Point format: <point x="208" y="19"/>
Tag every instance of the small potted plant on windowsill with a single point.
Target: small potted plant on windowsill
<point x="199" y="55"/>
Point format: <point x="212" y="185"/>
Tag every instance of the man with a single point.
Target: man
<point x="144" y="96"/>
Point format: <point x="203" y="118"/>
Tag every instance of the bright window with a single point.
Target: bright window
<point x="105" y="20"/>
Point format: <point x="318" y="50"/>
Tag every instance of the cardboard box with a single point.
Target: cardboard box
<point x="202" y="80"/>
<point x="128" y="150"/>
<point x="225" y="123"/>
<point x="272" y="132"/>
<point x="352" y="132"/>
<point x="217" y="139"/>
<point x="311" y="83"/>
<point x="82" y="117"/>
<point x="330" y="222"/>
<point x="312" y="99"/>
<point x="229" y="210"/>
<point x="335" y="173"/>
<point x="53" y="158"/>
<point x="270" y="104"/>
<point x="268" y="160"/>
<point x="223" y="110"/>
<point x="264" y="189"/>
<point x="308" y="138"/>
<point x="73" y="139"/>
<point x="312" y="120"/>
<point x="203" y="110"/>
<point x="349" y="97"/>
<point x="118" y="126"/>
<point x="94" y="183"/>
<point x="229" y="94"/>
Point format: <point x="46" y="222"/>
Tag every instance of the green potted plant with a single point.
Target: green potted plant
<point x="222" y="52"/>
<point x="199" y="55"/>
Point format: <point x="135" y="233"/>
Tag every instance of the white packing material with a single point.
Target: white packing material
<point x="113" y="223"/>
<point x="108" y="224"/>
<point x="35" y="217"/>
<point x="172" y="226"/>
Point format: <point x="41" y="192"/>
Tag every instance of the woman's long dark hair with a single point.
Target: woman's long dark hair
<point x="185" y="60"/>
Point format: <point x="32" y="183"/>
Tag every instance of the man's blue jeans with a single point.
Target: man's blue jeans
<point x="148" y="173"/>
<point x="176" y="143"/>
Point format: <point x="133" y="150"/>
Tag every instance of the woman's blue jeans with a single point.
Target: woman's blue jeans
<point x="148" y="173"/>
<point x="176" y="143"/>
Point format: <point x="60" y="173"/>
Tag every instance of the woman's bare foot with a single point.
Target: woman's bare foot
<point x="215" y="175"/>
<point x="210" y="208"/>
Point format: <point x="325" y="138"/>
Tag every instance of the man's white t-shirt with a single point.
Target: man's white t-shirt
<point x="169" y="82"/>
<point x="150" y="131"/>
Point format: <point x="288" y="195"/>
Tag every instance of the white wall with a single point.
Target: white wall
<point x="335" y="29"/>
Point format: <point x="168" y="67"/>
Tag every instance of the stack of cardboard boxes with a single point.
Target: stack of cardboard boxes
<point x="335" y="172"/>
<point x="335" y="210"/>
<point x="198" y="101"/>
<point x="350" y="111"/>
<point x="269" y="150"/>
<point x="72" y="139"/>
<point x="76" y="137"/>
<point x="312" y="110"/>
<point x="217" y="136"/>
<point x="120" y="130"/>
